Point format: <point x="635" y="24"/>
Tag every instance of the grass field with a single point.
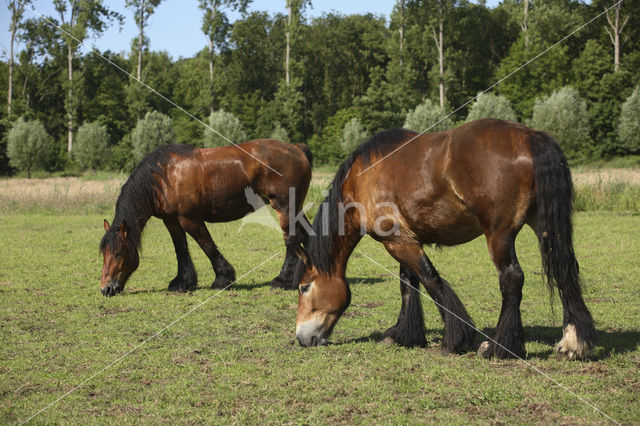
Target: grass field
<point x="233" y="358"/>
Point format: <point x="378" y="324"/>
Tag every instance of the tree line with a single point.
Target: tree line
<point x="329" y="81"/>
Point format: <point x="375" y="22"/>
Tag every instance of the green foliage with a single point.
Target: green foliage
<point x="153" y="131"/>
<point x="326" y="147"/>
<point x="605" y="92"/>
<point x="564" y="115"/>
<point x="488" y="105"/>
<point x="29" y="146"/>
<point x="279" y="133"/>
<point x="227" y="129"/>
<point x="353" y="135"/>
<point x="549" y="72"/>
<point x="122" y="157"/>
<point x="91" y="148"/>
<point x="629" y="127"/>
<point x="377" y="68"/>
<point x="428" y="117"/>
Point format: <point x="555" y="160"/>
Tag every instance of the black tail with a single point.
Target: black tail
<point x="307" y="152"/>
<point x="554" y="227"/>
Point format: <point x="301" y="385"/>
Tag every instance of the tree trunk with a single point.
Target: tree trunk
<point x="140" y="43"/>
<point x="213" y="17"/>
<point x="614" y="34"/>
<point x="287" y="76"/>
<point x="13" y="35"/>
<point x="441" y="63"/>
<point x="401" y="30"/>
<point x="439" y="40"/>
<point x="524" y="25"/>
<point x="70" y="98"/>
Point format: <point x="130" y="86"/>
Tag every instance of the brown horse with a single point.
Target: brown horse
<point x="486" y="177"/>
<point x="186" y="187"/>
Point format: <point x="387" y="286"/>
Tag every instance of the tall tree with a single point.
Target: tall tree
<point x="77" y="19"/>
<point x="524" y="25"/>
<point x="294" y="10"/>
<point x="142" y="10"/>
<point x="17" y="9"/>
<point x="215" y="26"/>
<point x="433" y="15"/>
<point x="439" y="41"/>
<point x="401" y="19"/>
<point x="617" y="22"/>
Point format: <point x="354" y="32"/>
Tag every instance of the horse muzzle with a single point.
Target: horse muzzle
<point x="111" y="289"/>
<point x="309" y="333"/>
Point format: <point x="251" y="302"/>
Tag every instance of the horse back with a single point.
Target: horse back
<point x="450" y="187"/>
<point x="226" y="183"/>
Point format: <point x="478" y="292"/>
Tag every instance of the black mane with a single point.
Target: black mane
<point x="136" y="202"/>
<point x="320" y="245"/>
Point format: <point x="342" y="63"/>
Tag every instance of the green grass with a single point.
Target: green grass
<point x="235" y="359"/>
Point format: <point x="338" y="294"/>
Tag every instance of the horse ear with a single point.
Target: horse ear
<point x="124" y="230"/>
<point x="302" y="254"/>
<point x="106" y="225"/>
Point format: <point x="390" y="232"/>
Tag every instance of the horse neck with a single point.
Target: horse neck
<point x="134" y="214"/>
<point x="343" y="244"/>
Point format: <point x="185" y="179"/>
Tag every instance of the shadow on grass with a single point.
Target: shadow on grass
<point x="608" y="343"/>
<point x="366" y="280"/>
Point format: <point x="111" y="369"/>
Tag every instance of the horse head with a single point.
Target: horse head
<point x="120" y="256"/>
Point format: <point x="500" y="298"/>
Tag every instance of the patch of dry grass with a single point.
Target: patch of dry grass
<point x="602" y="189"/>
<point x="68" y="194"/>
<point x="583" y="177"/>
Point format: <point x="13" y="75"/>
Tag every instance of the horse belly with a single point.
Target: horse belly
<point x="227" y="211"/>
<point x="446" y="224"/>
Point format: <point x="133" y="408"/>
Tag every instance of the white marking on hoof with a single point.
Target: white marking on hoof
<point x="571" y="347"/>
<point x="389" y="341"/>
<point x="483" y="350"/>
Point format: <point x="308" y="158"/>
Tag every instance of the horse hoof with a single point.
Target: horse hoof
<point x="485" y="350"/>
<point x="181" y="286"/>
<point x="389" y="341"/>
<point x="279" y="283"/>
<point x="221" y="283"/>
<point x="570" y="347"/>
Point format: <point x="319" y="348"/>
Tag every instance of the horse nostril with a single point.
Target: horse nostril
<point x="314" y="341"/>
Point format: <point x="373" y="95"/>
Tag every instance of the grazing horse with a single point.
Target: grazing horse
<point x="186" y="187"/>
<point x="405" y="190"/>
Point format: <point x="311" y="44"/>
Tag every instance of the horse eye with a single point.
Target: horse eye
<point x="304" y="288"/>
<point x="117" y="255"/>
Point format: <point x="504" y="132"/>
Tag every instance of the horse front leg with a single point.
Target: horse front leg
<point x="225" y="274"/>
<point x="409" y="331"/>
<point x="187" y="277"/>
<point x="459" y="330"/>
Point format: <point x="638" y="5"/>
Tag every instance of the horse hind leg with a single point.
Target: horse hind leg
<point x="459" y="331"/>
<point x="409" y="331"/>
<point x="225" y="274"/>
<point x="508" y="341"/>
<point x="187" y="277"/>
<point x="293" y="238"/>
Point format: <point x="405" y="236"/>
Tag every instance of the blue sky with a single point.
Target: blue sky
<point x="175" y="27"/>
